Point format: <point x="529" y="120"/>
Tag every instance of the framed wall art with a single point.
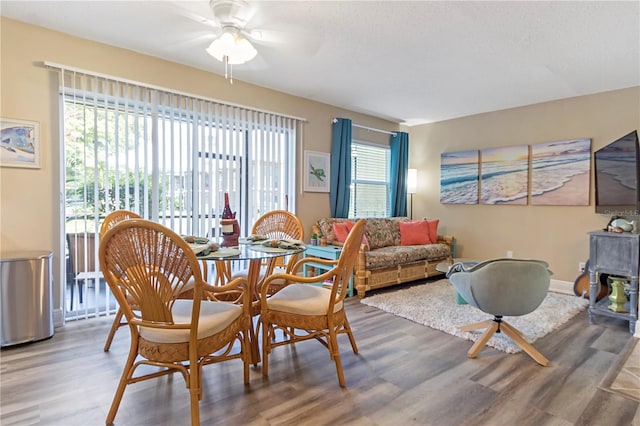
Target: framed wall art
<point x="504" y="177"/>
<point x="316" y="171"/>
<point x="19" y="143"/>
<point x="560" y="173"/>
<point x="459" y="174"/>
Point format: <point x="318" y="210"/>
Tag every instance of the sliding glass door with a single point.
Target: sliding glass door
<point x="168" y="157"/>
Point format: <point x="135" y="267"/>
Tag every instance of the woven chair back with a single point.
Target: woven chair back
<point x="151" y="264"/>
<point x="279" y="224"/>
<point x="116" y="217"/>
<point x="347" y="261"/>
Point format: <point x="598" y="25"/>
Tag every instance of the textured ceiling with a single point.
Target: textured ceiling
<point x="409" y="62"/>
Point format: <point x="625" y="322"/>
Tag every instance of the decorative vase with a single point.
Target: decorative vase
<point x="617" y="297"/>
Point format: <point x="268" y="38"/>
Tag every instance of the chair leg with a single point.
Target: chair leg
<point x="114" y="327"/>
<point x="479" y="344"/>
<point x="475" y="326"/>
<point x="352" y="339"/>
<point x="266" y="343"/>
<point x="334" y="351"/>
<point x="245" y="345"/>
<point x="127" y="373"/>
<point x="517" y="337"/>
<point x="194" y="393"/>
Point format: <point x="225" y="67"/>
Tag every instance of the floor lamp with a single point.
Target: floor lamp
<point x="412" y="184"/>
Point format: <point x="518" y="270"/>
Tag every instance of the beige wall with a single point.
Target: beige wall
<point x="553" y="233"/>
<point x="29" y="199"/>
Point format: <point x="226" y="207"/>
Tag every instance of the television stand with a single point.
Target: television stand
<point x="615" y="254"/>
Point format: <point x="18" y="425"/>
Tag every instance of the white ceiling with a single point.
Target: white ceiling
<point x="408" y="62"/>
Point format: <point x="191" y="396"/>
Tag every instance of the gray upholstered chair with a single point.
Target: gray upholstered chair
<point x="502" y="287"/>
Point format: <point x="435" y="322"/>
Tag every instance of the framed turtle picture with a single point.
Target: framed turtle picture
<point x="316" y="171"/>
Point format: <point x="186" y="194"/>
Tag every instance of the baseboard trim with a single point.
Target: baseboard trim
<point x="564" y="287"/>
<point x="58" y="318"/>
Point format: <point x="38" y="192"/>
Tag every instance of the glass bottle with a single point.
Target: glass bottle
<point x="227" y="216"/>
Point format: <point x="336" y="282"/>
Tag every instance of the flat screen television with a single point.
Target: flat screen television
<point x="617" y="174"/>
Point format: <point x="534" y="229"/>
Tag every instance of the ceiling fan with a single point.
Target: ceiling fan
<point x="232" y="46"/>
<point x="238" y="33"/>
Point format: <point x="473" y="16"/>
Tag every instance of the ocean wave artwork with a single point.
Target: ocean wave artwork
<point x="459" y="174"/>
<point x="504" y="175"/>
<point x="560" y="173"/>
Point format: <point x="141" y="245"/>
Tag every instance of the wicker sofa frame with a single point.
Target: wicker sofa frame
<point x="372" y="279"/>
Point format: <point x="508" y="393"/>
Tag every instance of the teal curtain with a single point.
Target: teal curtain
<point x="398" y="175"/>
<point x="340" y="167"/>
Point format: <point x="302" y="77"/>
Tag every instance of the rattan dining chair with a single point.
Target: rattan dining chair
<point x="109" y="222"/>
<point x="303" y="308"/>
<point x="152" y="264"/>
<point x="275" y="225"/>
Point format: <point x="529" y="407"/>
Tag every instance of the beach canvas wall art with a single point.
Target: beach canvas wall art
<point x="459" y="174"/>
<point x="504" y="175"/>
<point x="19" y="143"/>
<point x="560" y="173"/>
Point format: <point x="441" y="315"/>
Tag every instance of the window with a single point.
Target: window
<point x="169" y="157"/>
<point x="369" y="180"/>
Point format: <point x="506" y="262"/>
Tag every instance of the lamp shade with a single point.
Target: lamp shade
<point x="232" y="45"/>
<point x="412" y="181"/>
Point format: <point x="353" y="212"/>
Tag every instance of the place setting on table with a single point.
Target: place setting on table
<point x="264" y="244"/>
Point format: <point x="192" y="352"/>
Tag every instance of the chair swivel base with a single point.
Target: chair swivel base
<point x="497" y="325"/>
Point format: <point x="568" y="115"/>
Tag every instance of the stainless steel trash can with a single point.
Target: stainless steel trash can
<point x="26" y="302"/>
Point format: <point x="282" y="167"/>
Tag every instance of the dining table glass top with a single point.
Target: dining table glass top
<point x="248" y="251"/>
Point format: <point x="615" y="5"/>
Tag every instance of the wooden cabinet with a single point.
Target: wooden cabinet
<point x="614" y="254"/>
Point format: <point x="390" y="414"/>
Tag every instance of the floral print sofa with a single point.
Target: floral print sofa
<point x="385" y="262"/>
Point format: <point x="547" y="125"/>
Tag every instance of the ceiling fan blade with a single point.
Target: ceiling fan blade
<point x="300" y="42"/>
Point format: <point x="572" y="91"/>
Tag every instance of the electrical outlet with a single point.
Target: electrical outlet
<point x="509" y="253"/>
<point x="581" y="266"/>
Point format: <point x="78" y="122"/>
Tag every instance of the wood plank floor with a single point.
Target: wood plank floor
<point x="405" y="374"/>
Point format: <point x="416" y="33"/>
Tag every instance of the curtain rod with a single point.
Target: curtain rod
<point x="164" y="89"/>
<point x="335" y="120"/>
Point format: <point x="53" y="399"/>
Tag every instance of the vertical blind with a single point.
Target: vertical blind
<point x="167" y="156"/>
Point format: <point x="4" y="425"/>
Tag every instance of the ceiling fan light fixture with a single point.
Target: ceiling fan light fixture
<point x="232" y="47"/>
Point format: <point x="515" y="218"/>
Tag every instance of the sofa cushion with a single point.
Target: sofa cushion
<point x="382" y="232"/>
<point x="414" y="232"/>
<point x="394" y="255"/>
<point x="326" y="227"/>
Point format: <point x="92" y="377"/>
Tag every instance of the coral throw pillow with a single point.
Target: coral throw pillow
<point x="342" y="229"/>
<point x="433" y="230"/>
<point x="414" y="233"/>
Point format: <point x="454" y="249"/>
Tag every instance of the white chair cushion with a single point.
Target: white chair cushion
<point x="214" y="317"/>
<point x="302" y="299"/>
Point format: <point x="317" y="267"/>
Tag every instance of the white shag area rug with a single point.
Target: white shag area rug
<point x="433" y="304"/>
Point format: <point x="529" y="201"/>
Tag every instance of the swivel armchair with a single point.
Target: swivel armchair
<point x="502" y="287"/>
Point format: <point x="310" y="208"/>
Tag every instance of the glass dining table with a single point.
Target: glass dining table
<point x="261" y="260"/>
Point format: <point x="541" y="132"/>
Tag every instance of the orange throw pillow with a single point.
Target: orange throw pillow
<point x="414" y="233"/>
